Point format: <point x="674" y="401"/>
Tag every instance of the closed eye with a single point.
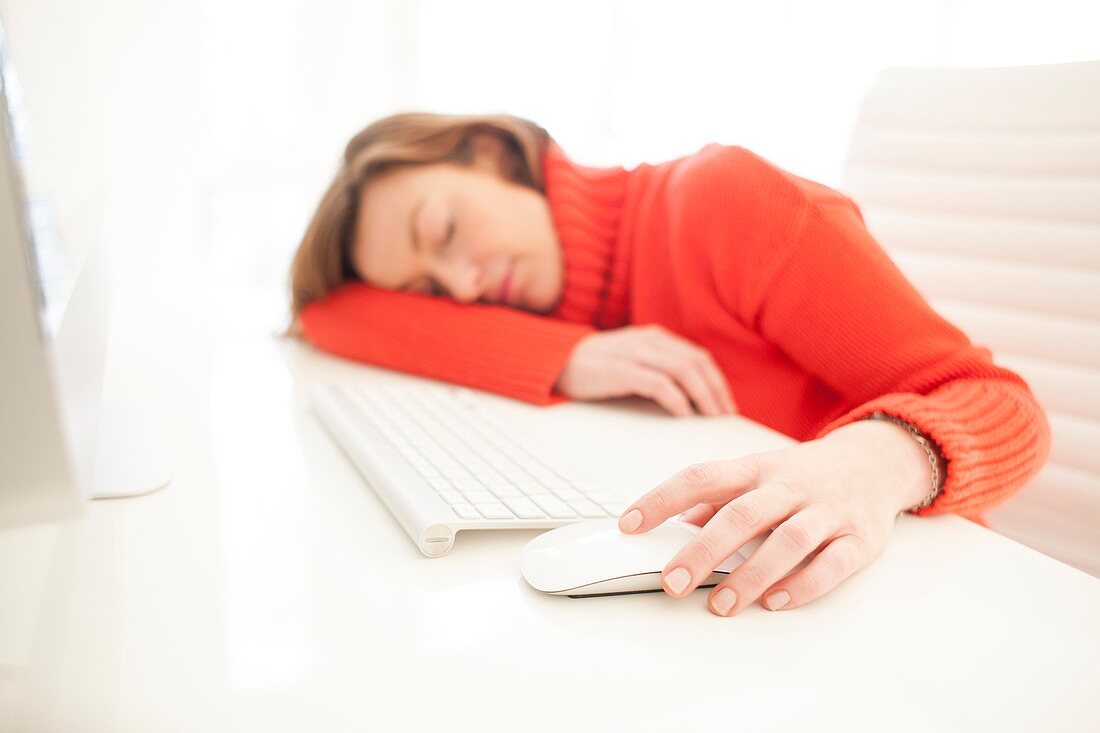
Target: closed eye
<point x="450" y="233"/>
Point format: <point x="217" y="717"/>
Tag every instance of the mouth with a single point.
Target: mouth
<point x="504" y="295"/>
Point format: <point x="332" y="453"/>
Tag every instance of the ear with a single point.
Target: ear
<point x="488" y="153"/>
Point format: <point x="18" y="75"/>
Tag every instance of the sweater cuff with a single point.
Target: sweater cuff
<point x="991" y="433"/>
<point x="507" y="351"/>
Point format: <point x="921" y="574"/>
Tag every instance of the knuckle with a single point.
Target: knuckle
<point x="742" y="514"/>
<point x="784" y="488"/>
<point x="670" y="393"/>
<point x="702" y="359"/>
<point x="810" y="586"/>
<point x="646" y="384"/>
<point x="700" y="474"/>
<point x="683" y="370"/>
<point x="793" y="536"/>
<point x="839" y="563"/>
<point x="706" y="550"/>
<point x="752" y="575"/>
<point x="673" y="400"/>
<point x="753" y="465"/>
<point x="623" y="369"/>
<point x="659" y="503"/>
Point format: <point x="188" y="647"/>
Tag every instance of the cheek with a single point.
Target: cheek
<point x="489" y="236"/>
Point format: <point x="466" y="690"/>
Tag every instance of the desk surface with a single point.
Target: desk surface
<point x="267" y="588"/>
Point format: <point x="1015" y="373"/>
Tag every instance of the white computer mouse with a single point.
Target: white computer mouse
<point x="593" y="558"/>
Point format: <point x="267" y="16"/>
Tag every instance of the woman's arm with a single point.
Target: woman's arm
<point x="836" y="304"/>
<point x="498" y="349"/>
<point x="840" y="308"/>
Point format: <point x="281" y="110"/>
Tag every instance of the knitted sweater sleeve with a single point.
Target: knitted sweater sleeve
<point x="839" y="307"/>
<point x="494" y="348"/>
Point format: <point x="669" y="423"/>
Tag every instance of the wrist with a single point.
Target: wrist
<point x="908" y="470"/>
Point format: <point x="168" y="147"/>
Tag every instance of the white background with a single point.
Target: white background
<point x="237" y="110"/>
<point x="204" y="131"/>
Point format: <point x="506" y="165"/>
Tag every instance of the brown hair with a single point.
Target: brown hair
<point x="323" y="260"/>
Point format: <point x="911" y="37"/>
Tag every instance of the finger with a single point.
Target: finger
<point x="732" y="526"/>
<point x="686" y="368"/>
<point x="700" y="361"/>
<point x="660" y="388"/>
<point x="715" y="482"/>
<point x="721" y="384"/>
<point x="787" y="546"/>
<point x="716" y="378"/>
<point x="701" y="513"/>
<point x="839" y="560"/>
<point x="713" y="375"/>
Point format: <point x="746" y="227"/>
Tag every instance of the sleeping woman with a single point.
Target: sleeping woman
<point x="472" y="249"/>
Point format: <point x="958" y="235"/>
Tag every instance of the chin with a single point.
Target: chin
<point x="542" y="305"/>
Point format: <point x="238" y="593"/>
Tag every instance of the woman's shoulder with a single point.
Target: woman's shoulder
<point x="733" y="169"/>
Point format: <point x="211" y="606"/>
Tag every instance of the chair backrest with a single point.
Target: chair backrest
<point x="983" y="185"/>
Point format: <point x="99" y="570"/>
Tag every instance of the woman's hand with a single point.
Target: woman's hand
<point x="649" y="361"/>
<point x="837" y="496"/>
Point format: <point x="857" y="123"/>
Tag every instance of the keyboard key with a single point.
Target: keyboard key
<point x="479" y="464"/>
<point x="524" y="508"/>
<point x="513" y="472"/>
<point x="506" y="490"/>
<point x="495" y="510"/>
<point x="481" y="496"/>
<point x="553" y="506"/>
<point x="587" y="509"/>
<point x="530" y="486"/>
<point x="541" y="472"/>
<point x="465" y="511"/>
<point x="569" y="472"/>
<point x="467" y="483"/>
<point x="614" y="508"/>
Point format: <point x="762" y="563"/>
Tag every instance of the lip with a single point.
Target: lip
<point x="505" y="292"/>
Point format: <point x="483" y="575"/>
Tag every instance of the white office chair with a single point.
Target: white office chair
<point x="984" y="187"/>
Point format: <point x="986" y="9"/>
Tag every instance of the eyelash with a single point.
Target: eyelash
<point x="450" y="233"/>
<point x="435" y="288"/>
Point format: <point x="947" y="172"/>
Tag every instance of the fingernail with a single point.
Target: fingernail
<point x="723" y="601"/>
<point x="630" y="521"/>
<point x="776" y="601"/>
<point x="677" y="580"/>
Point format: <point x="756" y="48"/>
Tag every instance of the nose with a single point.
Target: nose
<point x="461" y="279"/>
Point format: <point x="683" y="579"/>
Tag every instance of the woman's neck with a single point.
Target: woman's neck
<point x="586" y="205"/>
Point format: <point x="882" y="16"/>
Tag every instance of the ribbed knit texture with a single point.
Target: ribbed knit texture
<point x="809" y="319"/>
<point x="586" y="205"/>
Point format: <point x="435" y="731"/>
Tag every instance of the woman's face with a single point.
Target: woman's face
<point x="462" y="231"/>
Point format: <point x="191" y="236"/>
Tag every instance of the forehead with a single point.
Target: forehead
<point x="381" y="245"/>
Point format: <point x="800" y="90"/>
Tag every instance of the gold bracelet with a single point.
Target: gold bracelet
<point x="932" y="453"/>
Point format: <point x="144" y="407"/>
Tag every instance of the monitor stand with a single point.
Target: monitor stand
<point x="131" y="453"/>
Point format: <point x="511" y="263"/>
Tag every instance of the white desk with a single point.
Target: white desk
<point x="268" y="589"/>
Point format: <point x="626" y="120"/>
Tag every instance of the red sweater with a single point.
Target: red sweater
<point x="811" y="322"/>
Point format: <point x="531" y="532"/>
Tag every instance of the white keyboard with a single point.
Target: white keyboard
<point x="443" y="461"/>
